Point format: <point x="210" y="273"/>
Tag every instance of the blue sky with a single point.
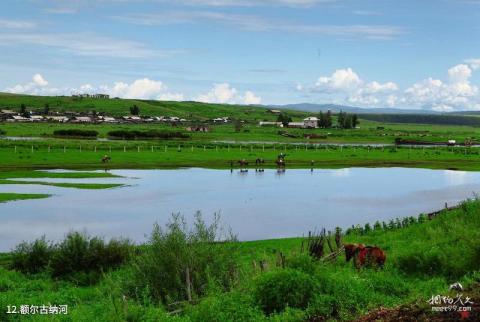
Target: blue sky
<point x="403" y="54"/>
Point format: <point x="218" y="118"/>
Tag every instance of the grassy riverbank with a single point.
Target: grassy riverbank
<point x="423" y="258"/>
<point x="138" y="155"/>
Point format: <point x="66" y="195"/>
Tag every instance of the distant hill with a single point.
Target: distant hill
<point x="119" y="107"/>
<point x="311" y="107"/>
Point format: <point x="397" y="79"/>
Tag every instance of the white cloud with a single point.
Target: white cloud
<point x="141" y="88"/>
<point x="39" y="80"/>
<point x="225" y="94"/>
<point x="259" y="23"/>
<point x="474" y="63"/>
<point x="456" y="93"/>
<point x="251" y="98"/>
<point x="341" y="80"/>
<point x="459" y="73"/>
<point x="16" y="24"/>
<point x="38" y="86"/>
<point x="87" y="44"/>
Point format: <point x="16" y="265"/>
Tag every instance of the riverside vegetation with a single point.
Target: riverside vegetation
<point x="202" y="273"/>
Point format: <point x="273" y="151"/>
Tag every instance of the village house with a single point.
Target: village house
<point x="296" y="124"/>
<point x="57" y="118"/>
<point x="310" y="122"/>
<point x="36" y="118"/>
<point x="132" y="118"/>
<point x="221" y="119"/>
<point x="266" y="123"/>
<point x="81" y="119"/>
<point x="274" y="111"/>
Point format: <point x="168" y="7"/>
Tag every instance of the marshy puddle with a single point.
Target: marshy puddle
<point x="256" y="205"/>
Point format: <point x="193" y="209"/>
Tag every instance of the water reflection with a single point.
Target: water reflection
<point x="266" y="203"/>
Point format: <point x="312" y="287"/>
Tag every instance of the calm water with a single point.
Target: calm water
<point x="255" y="205"/>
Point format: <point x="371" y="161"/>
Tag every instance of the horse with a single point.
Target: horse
<point x="243" y="162"/>
<point x="280" y="162"/>
<point x="365" y="255"/>
<point x="106" y="159"/>
<point x="259" y="161"/>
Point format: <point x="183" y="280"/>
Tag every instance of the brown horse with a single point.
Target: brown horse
<point x="243" y="162"/>
<point x="106" y="159"/>
<point x="365" y="255"/>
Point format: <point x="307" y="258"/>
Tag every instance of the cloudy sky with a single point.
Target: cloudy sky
<point x="370" y="53"/>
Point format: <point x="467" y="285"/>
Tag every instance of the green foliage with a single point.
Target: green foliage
<point x="177" y="252"/>
<point x="3" y="132"/>
<point x="134" y="110"/>
<point x="78" y="257"/>
<point x="284" y="118"/>
<point x="347" y="121"/>
<point x="83" y="258"/>
<point x="233" y="306"/>
<point x="32" y="257"/>
<point x="75" y="133"/>
<point x="303" y="263"/>
<point x="150" y="134"/>
<point x="276" y="290"/>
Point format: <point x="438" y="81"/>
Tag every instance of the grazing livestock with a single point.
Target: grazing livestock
<point x="365" y="255"/>
<point x="243" y="162"/>
<point x="106" y="159"/>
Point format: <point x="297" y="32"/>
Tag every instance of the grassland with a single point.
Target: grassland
<point x="423" y="258"/>
<point x="5" y="197"/>
<point x="142" y="154"/>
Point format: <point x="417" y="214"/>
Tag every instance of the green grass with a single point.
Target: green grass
<point x="5" y="197"/>
<point x="342" y="292"/>
<point x="89" y="186"/>
<point x="220" y="155"/>
<point x="121" y="107"/>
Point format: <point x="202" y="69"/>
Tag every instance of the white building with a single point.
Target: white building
<point x="310" y="122"/>
<point x="266" y="123"/>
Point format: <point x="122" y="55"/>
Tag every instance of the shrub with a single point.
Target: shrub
<point x="176" y="252"/>
<point x="83" y="258"/>
<point x="75" y="133"/>
<point x="276" y="290"/>
<point x="32" y="257"/>
<point x="2" y="132"/>
<point x="151" y="134"/>
<point x="303" y="263"/>
<point x="78" y="257"/>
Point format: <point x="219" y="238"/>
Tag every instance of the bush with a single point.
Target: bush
<point x="83" y="258"/>
<point x="151" y="134"/>
<point x="303" y="263"/>
<point x="2" y="132"/>
<point x="77" y="257"/>
<point x="276" y="290"/>
<point x="76" y="133"/>
<point x="32" y="257"/>
<point x="161" y="270"/>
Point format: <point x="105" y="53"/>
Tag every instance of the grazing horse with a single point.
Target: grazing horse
<point x="365" y="255"/>
<point x="259" y="161"/>
<point x="106" y="159"/>
<point x="243" y="162"/>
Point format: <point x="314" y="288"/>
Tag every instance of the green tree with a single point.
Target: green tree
<point x="284" y="118"/>
<point x="328" y="119"/>
<point x="24" y="111"/>
<point x="46" y="109"/>
<point x="134" y="110"/>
